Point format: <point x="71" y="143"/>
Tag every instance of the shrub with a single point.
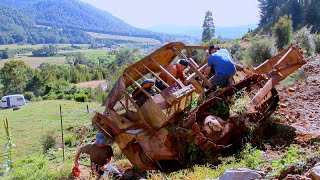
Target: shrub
<point x="69" y="97"/>
<point x="317" y="42"/>
<point x="70" y="141"/>
<point x="261" y="50"/>
<point x="81" y="97"/>
<point x="29" y="95"/>
<point x="60" y="96"/>
<point x="282" y="31"/>
<point x="48" y="140"/>
<point x="50" y="96"/>
<point x="37" y="99"/>
<point x="305" y="39"/>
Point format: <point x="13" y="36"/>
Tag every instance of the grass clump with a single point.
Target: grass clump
<point x="239" y="103"/>
<point x="290" y="157"/>
<point x="48" y="140"/>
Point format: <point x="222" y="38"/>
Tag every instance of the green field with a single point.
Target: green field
<point x="35" y="62"/>
<point x="37" y="46"/>
<point x="33" y="120"/>
<point x="126" y="38"/>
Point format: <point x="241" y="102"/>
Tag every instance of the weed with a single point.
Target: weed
<point x="192" y="152"/>
<point x="37" y="167"/>
<point x="290" y="157"/>
<point x="48" y="140"/>
<point x="69" y="140"/>
<point x="239" y="103"/>
<point x="252" y="157"/>
<point x="220" y="109"/>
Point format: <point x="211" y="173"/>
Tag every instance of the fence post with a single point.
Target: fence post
<point x="88" y="108"/>
<point x="62" y="134"/>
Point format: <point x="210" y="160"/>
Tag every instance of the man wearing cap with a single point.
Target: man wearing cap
<point x="177" y="71"/>
<point x="220" y="64"/>
<point x="100" y="155"/>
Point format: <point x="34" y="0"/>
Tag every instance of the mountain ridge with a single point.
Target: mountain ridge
<point x="75" y="14"/>
<point x="229" y="32"/>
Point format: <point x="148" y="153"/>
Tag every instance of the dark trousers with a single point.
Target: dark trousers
<point x="160" y="85"/>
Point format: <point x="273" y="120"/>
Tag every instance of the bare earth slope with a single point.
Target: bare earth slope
<point x="300" y="104"/>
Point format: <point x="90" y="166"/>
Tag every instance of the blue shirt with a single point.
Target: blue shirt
<point x="222" y="63"/>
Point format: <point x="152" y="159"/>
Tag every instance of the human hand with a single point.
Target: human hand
<point x="207" y="53"/>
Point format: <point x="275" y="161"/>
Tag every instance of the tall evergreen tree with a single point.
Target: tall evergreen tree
<point x="208" y="27"/>
<point x="296" y="13"/>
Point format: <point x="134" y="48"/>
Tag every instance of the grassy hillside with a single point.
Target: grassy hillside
<point x="33" y="120"/>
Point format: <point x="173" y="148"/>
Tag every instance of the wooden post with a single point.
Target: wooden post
<point x="62" y="134"/>
<point x="88" y="108"/>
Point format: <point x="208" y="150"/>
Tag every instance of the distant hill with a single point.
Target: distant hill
<point x="16" y="27"/>
<point x="77" y="15"/>
<point x="196" y="31"/>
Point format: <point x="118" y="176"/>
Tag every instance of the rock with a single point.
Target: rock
<point x="315" y="173"/>
<point x="241" y="174"/>
<point x="292" y="89"/>
<point x="282" y="105"/>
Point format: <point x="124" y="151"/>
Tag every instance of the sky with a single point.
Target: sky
<point x="148" y="13"/>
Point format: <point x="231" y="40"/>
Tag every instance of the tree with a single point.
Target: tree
<point x="282" y="31"/>
<point x="296" y="12"/>
<point x="15" y="76"/>
<point x="208" y="27"/>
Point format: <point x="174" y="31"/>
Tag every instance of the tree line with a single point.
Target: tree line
<point x="54" y="81"/>
<point x="301" y="12"/>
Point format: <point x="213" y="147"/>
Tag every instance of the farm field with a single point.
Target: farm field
<point x="125" y="38"/>
<point x="35" y="62"/>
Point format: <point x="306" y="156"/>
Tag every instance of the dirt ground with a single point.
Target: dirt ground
<point x="299" y="111"/>
<point x="300" y="104"/>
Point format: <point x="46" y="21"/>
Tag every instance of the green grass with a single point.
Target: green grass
<point x="127" y="38"/>
<point x="33" y="120"/>
<point x="248" y="158"/>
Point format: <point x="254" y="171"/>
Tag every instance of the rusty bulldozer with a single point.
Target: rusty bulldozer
<point x="159" y="129"/>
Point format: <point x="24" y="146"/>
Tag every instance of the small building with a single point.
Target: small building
<point x="15" y="100"/>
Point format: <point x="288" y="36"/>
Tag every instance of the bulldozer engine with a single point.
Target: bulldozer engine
<point x="159" y="130"/>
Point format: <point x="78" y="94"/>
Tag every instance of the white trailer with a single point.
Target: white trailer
<point x="15" y="100"/>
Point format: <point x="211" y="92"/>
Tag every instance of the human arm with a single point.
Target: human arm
<point x="76" y="159"/>
<point x="207" y="70"/>
<point x="83" y="149"/>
